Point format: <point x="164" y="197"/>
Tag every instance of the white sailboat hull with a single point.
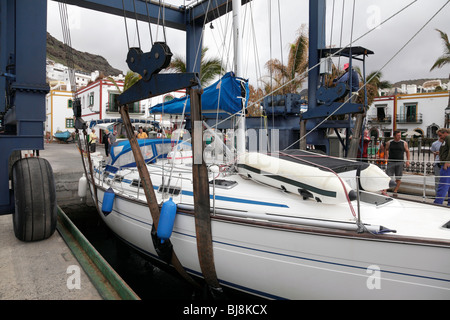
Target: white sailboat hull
<point x="285" y="261"/>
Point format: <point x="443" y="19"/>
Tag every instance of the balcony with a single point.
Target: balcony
<point x="114" y="107"/>
<point x="379" y="120"/>
<point x="406" y="118"/>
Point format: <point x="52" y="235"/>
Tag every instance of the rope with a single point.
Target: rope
<point x="137" y="24"/>
<point x="149" y="26"/>
<point x="365" y="84"/>
<point x="64" y="17"/>
<point x="342" y="30"/>
<point x="125" y="21"/>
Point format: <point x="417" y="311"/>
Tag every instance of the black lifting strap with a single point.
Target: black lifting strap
<point x="148" y="188"/>
<point x="201" y="199"/>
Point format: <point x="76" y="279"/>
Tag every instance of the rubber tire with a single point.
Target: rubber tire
<point x="35" y="213"/>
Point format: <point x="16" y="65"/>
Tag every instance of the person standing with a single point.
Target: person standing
<point x="435" y="146"/>
<point x="444" y="173"/>
<point x="395" y="153"/>
<point x="106" y="141"/>
<point x="111" y="140"/>
<point x="365" y="147"/>
<point x="142" y="134"/>
<point x="93" y="141"/>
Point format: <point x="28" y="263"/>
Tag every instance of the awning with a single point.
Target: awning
<point x="105" y="123"/>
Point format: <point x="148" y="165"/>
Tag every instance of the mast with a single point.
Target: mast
<point x="240" y="120"/>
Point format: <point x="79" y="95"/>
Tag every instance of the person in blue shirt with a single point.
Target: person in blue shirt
<point x="346" y="78"/>
<point x="444" y="158"/>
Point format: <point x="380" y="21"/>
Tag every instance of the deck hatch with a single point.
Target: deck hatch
<point x="222" y="183"/>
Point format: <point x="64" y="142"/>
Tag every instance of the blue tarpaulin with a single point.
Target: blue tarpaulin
<point x="224" y="98"/>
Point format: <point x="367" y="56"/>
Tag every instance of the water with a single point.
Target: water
<point x="148" y="281"/>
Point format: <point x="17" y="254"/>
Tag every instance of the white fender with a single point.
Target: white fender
<point x="82" y="186"/>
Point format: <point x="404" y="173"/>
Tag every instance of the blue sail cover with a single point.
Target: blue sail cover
<point x="151" y="149"/>
<point x="221" y="99"/>
<point x="113" y="121"/>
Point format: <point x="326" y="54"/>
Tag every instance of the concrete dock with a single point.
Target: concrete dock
<point x="64" y="266"/>
<point x="65" y="160"/>
<point x="40" y="270"/>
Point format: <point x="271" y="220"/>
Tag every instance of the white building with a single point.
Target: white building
<point x="59" y="113"/>
<point x="58" y="73"/>
<point x="423" y="113"/>
<point x="99" y="101"/>
<point x="427" y="86"/>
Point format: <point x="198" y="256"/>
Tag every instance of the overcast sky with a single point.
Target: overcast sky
<point x="104" y="34"/>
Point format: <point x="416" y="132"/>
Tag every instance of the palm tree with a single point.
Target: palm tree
<point x="445" y="58"/>
<point x="130" y="79"/>
<point x="374" y="78"/>
<point x="374" y="83"/>
<point x="292" y="73"/>
<point x="210" y="68"/>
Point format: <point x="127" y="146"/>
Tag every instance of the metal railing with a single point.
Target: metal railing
<point x="414" y="118"/>
<point x="421" y="157"/>
<point x="376" y="119"/>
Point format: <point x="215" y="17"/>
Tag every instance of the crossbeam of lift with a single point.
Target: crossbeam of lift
<point x="189" y="19"/>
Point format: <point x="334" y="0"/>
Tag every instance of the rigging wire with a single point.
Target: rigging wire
<point x="353" y="20"/>
<point x="149" y="25"/>
<point x="331" y="56"/>
<point x="365" y="84"/>
<point x="339" y="51"/>
<point x="162" y="16"/>
<point x="126" y="26"/>
<point x="137" y="24"/>
<point x="281" y="41"/>
<point x="271" y="68"/>
<point x="332" y="24"/>
<point x="64" y="17"/>
<point x="342" y="31"/>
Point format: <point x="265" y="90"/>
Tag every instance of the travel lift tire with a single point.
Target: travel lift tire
<point x="35" y="213"/>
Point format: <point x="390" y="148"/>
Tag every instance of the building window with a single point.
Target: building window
<point x="69" y="123"/>
<point x="168" y="98"/>
<point x="431" y="131"/>
<point x="113" y="105"/>
<point x="411" y="112"/>
<point x="381" y="112"/>
<point x="91" y="99"/>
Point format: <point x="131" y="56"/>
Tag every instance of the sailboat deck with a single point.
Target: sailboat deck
<point x="246" y="195"/>
<point x="314" y="159"/>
